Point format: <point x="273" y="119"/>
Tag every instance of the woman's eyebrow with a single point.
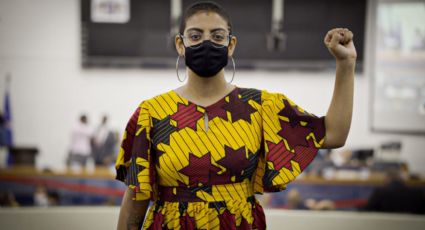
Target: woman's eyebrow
<point x="195" y="29"/>
<point x="201" y="30"/>
<point x="217" y="29"/>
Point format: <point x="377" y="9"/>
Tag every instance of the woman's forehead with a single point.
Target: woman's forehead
<point x="206" y="21"/>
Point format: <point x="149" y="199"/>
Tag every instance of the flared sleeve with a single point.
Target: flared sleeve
<point x="134" y="164"/>
<point x="291" y="139"/>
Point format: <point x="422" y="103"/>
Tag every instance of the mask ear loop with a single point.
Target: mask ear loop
<point x="177" y="71"/>
<point x="234" y="69"/>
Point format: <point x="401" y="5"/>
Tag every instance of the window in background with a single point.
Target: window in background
<point x="399" y="71"/>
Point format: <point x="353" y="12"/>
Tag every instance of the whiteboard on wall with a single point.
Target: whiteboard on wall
<point x="398" y="76"/>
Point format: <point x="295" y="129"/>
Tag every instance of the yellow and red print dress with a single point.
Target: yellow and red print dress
<point x="201" y="166"/>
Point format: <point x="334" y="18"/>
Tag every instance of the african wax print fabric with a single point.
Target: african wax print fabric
<point x="202" y="165"/>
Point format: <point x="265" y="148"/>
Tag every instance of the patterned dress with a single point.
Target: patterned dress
<point x="201" y="166"/>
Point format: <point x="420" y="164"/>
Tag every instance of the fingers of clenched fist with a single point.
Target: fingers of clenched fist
<point x="340" y="44"/>
<point x="338" y="36"/>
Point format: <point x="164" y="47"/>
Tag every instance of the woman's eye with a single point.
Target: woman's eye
<point x="195" y="37"/>
<point x="218" y="37"/>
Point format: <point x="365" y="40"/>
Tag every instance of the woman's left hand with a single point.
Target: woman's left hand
<point x="340" y="44"/>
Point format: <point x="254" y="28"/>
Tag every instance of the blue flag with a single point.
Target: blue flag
<point x="8" y="119"/>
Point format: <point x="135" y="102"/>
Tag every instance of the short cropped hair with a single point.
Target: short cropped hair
<point x="207" y="6"/>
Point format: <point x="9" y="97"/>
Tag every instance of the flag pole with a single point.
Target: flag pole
<point x="8" y="80"/>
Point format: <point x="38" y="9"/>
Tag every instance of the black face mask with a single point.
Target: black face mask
<point x="206" y="59"/>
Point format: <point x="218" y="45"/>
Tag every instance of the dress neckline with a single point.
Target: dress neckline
<point x="218" y="102"/>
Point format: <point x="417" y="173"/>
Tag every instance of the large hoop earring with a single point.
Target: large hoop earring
<point x="177" y="71"/>
<point x="234" y="69"/>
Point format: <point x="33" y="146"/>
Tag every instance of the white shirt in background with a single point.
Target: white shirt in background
<point x="80" y="140"/>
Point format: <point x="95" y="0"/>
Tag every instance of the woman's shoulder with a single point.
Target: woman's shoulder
<point x="259" y="95"/>
<point x="161" y="105"/>
<point x="161" y="99"/>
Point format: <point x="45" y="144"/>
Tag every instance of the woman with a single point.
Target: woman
<point x="201" y="152"/>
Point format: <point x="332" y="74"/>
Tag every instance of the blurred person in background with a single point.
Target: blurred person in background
<point x="40" y="197"/>
<point x="44" y="198"/>
<point x="319" y="205"/>
<point x="397" y="197"/>
<point x="104" y="142"/>
<point x="53" y="198"/>
<point x="294" y="200"/>
<point x="80" y="150"/>
<point x="200" y="152"/>
<point x="7" y="199"/>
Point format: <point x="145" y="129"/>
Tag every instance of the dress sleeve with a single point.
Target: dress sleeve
<point x="291" y="139"/>
<point x="134" y="164"/>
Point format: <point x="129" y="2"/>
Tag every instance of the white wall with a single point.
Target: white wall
<point x="40" y="47"/>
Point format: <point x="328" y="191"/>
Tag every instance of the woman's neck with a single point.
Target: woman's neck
<point x="203" y="89"/>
